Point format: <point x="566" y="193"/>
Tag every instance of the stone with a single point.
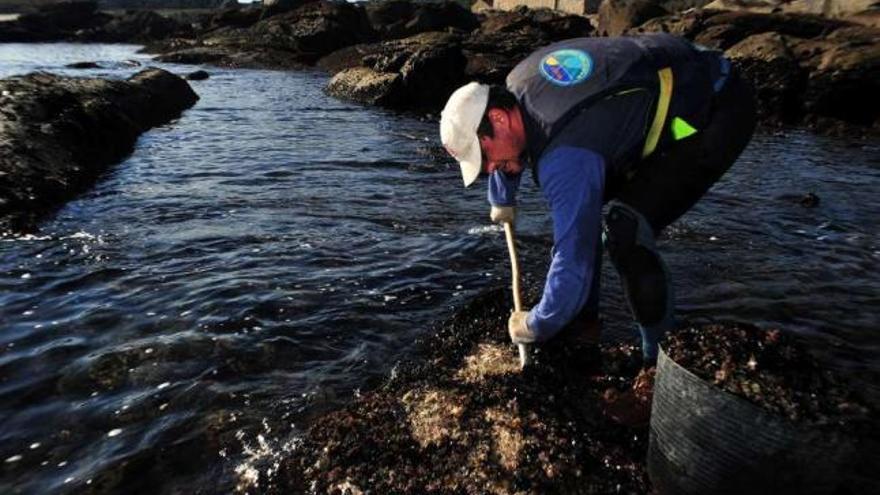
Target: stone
<point x="364" y="85"/>
<point x="59" y="134"/>
<point x="616" y="16"/>
<point x="779" y="81"/>
<point x="395" y="19"/>
<point x="198" y="75"/>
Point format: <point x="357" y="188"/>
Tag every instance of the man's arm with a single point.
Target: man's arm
<point x="573" y="181"/>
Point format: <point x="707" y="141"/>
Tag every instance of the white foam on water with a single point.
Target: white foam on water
<point x="81" y="235"/>
<point x="264" y="456"/>
<point x="114" y="432"/>
<point x="27" y="237"/>
<point x="15" y="458"/>
<point x="164" y="385"/>
<point x="484" y="229"/>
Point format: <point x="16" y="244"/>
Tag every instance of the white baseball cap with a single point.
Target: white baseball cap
<point x="458" y="128"/>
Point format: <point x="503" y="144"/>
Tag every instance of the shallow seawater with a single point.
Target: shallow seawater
<point x="274" y="251"/>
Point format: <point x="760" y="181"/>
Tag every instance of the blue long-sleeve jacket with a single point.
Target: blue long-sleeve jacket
<point x="572" y="180"/>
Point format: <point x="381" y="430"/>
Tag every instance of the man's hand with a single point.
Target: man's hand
<point x="518" y="329"/>
<point x="502" y="214"/>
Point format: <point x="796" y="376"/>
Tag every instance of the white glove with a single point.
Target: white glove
<point x="502" y="214"/>
<point x="518" y="328"/>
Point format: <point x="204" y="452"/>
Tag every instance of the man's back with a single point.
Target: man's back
<point x="602" y="93"/>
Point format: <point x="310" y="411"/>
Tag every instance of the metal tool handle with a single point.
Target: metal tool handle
<point x="517" y="300"/>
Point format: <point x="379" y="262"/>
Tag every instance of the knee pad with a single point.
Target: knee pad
<point x="629" y="240"/>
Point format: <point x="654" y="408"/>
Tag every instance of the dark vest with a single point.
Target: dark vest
<point x="602" y="94"/>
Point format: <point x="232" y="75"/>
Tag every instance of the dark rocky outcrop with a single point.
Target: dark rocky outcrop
<point x="467" y="421"/>
<point x="81" y="21"/>
<point x="414" y="73"/>
<point x="392" y="19"/>
<point x="291" y="39"/>
<point x="805" y="68"/>
<point x="199" y="75"/>
<point x="822" y="70"/>
<point x="420" y="72"/>
<point x="58" y="134"/>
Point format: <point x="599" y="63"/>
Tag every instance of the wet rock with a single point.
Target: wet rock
<point x="616" y="16"/>
<point x="466" y="420"/>
<point x="291" y="39"/>
<point x="505" y="38"/>
<point x="828" y="8"/>
<point x="83" y="65"/>
<point x="779" y="81"/>
<point x="809" y="200"/>
<point x="80" y="21"/>
<point x="135" y="26"/>
<point x="365" y="85"/>
<point x="394" y="19"/>
<point x="807" y="69"/>
<point x="58" y="134"/>
<point x="414" y="73"/>
<point x="53" y="22"/>
<point x="236" y="18"/>
<point x="198" y="75"/>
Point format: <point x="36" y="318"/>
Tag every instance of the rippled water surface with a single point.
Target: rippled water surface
<point x="274" y="251"/>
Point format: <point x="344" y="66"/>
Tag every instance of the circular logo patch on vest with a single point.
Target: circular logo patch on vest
<point x="567" y="67"/>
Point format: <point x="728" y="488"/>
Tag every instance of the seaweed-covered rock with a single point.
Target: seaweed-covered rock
<point x="58" y="134"/>
<point x="468" y="421"/>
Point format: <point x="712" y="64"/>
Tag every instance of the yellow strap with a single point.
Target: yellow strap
<point x="660" y="115"/>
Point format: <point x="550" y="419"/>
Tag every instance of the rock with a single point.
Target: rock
<point x="827" y="8"/>
<point x="198" y="75"/>
<point x="307" y="33"/>
<point x="53" y="22"/>
<point x="236" y="18"/>
<point x="365" y="85"/>
<point x="58" y="134"/>
<point x="416" y="73"/>
<point x="393" y="19"/>
<point x="616" y="16"/>
<point x="83" y="65"/>
<point x="505" y="38"/>
<point x="135" y="26"/>
<point x="809" y="200"/>
<point x="779" y="81"/>
<point x="807" y="69"/>
<point x="140" y="26"/>
<point x="465" y="420"/>
<point x="844" y="76"/>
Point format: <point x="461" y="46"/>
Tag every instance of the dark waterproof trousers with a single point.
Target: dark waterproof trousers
<point x="666" y="185"/>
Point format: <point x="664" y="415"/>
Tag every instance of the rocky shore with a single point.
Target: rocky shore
<point x="467" y="420"/>
<point x="814" y="65"/>
<point x="809" y="69"/>
<point x="58" y="134"/>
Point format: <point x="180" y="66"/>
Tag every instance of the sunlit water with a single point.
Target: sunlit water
<point x="265" y="257"/>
